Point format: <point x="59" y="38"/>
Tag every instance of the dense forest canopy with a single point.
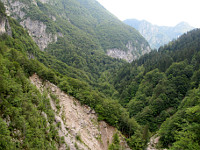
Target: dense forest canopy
<point x="163" y="85"/>
<point x="20" y="58"/>
<point x="158" y="93"/>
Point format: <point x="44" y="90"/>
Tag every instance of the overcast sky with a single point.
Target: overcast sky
<point x="159" y="12"/>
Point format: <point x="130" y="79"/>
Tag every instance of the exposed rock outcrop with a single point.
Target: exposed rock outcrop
<point x="44" y="1"/>
<point x="78" y="123"/>
<point x="152" y="145"/>
<point x="5" y="26"/>
<point x="129" y="55"/>
<point x="14" y="8"/>
<point x="44" y="29"/>
<point x="2" y="25"/>
<point x="37" y="29"/>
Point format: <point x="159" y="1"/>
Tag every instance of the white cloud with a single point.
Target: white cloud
<point x="161" y="12"/>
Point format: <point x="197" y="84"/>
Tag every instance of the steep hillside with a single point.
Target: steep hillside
<point x="83" y="99"/>
<point x="72" y="54"/>
<point x="80" y="26"/>
<point x="43" y="116"/>
<point x="28" y="119"/>
<point x="158" y="35"/>
<point x="164" y="85"/>
<point x="77" y="123"/>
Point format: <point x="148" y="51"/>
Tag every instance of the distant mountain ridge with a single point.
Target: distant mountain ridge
<point x="158" y="35"/>
<point x="59" y="89"/>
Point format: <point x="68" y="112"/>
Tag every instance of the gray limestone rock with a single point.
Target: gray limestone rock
<point x="129" y="55"/>
<point x="5" y="26"/>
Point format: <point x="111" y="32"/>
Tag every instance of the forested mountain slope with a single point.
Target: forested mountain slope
<point x="80" y="26"/>
<point x="164" y="85"/>
<point x="72" y="48"/>
<point x="75" y="36"/>
<point x="27" y="120"/>
<point x="158" y="35"/>
<point x="157" y="93"/>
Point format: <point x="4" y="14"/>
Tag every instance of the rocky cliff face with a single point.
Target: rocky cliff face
<point x="44" y="1"/>
<point x="36" y="29"/>
<point x="78" y="124"/>
<point x="158" y="35"/>
<point x="5" y="26"/>
<point x="153" y="143"/>
<point x="131" y="53"/>
<point x="2" y="25"/>
<point x="78" y="21"/>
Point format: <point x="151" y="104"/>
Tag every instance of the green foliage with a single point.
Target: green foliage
<point x="2" y="9"/>
<point x="183" y="128"/>
<point x="76" y="146"/>
<point x="136" y="142"/>
<point x="153" y="86"/>
<point x="152" y="90"/>
<point x="90" y="61"/>
<point x="160" y="87"/>
<point x="185" y="48"/>
<point x="21" y="107"/>
<point x="90" y="17"/>
<point x="88" y="30"/>
<point x="78" y="138"/>
<point x="56" y="101"/>
<point x="115" y="145"/>
<point x="6" y="140"/>
<point x="20" y="59"/>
